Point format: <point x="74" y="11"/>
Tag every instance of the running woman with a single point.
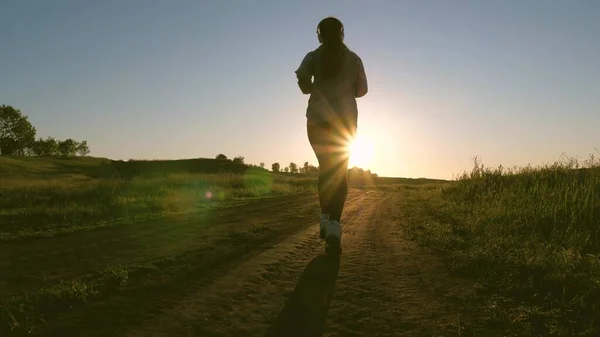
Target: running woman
<point x="334" y="76"/>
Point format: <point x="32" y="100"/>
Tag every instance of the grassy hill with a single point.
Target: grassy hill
<point x="90" y="167"/>
<point x="42" y="196"/>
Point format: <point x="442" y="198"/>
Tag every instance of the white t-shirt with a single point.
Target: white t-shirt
<point x="334" y="100"/>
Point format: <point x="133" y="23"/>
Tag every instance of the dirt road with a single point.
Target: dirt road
<point x="279" y="283"/>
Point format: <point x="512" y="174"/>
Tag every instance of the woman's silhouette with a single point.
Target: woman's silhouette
<point x="334" y="77"/>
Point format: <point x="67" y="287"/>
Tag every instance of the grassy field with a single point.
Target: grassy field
<point x="47" y="196"/>
<point x="44" y="198"/>
<point x="530" y="236"/>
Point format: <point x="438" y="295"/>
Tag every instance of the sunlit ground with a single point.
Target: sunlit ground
<point x="361" y="152"/>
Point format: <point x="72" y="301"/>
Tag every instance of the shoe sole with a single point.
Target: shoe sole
<point x="333" y="250"/>
<point x="332" y="241"/>
<point x="333" y="246"/>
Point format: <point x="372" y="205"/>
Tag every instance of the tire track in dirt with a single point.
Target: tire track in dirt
<point x="283" y="285"/>
<point x="246" y="299"/>
<point x="146" y="300"/>
<point x="387" y="285"/>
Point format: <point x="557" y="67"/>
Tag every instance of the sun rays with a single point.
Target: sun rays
<point x="361" y="152"/>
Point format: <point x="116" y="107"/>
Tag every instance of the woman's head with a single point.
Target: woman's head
<point x="331" y="34"/>
<point x="330" y="31"/>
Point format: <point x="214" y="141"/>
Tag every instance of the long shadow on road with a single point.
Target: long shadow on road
<point x="305" y="313"/>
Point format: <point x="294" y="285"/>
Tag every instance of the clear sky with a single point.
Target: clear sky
<point x="514" y="82"/>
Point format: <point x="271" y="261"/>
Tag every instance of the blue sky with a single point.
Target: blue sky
<point x="514" y="82"/>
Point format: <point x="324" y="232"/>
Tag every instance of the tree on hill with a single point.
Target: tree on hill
<point x="360" y="176"/>
<point x="67" y="147"/>
<point x="275" y="167"/>
<point x="17" y="138"/>
<point x="262" y="165"/>
<point x="49" y="146"/>
<point x="221" y="156"/>
<point x="83" y="149"/>
<point x="286" y="169"/>
<point x="17" y="135"/>
<point x="238" y="160"/>
<point x="305" y="168"/>
<point x="293" y="167"/>
<point x="46" y="147"/>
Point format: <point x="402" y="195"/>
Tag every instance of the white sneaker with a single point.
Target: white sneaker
<point x="323" y="225"/>
<point x="334" y="234"/>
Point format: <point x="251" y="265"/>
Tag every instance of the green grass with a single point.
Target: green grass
<point x="25" y="313"/>
<point x="119" y="293"/>
<point x="46" y="196"/>
<point x="531" y="238"/>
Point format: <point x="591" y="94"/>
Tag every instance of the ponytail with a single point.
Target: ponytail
<point x="331" y="34"/>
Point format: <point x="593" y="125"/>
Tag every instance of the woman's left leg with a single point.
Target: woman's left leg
<point x="340" y="160"/>
<point x="318" y="136"/>
<point x="340" y="181"/>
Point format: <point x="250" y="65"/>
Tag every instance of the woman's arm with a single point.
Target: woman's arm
<point x="305" y="74"/>
<point x="305" y="84"/>
<point x="361" y="88"/>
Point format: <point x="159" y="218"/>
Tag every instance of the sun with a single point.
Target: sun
<point x="361" y="152"/>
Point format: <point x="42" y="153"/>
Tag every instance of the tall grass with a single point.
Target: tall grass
<point x="44" y="206"/>
<point x="532" y="235"/>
